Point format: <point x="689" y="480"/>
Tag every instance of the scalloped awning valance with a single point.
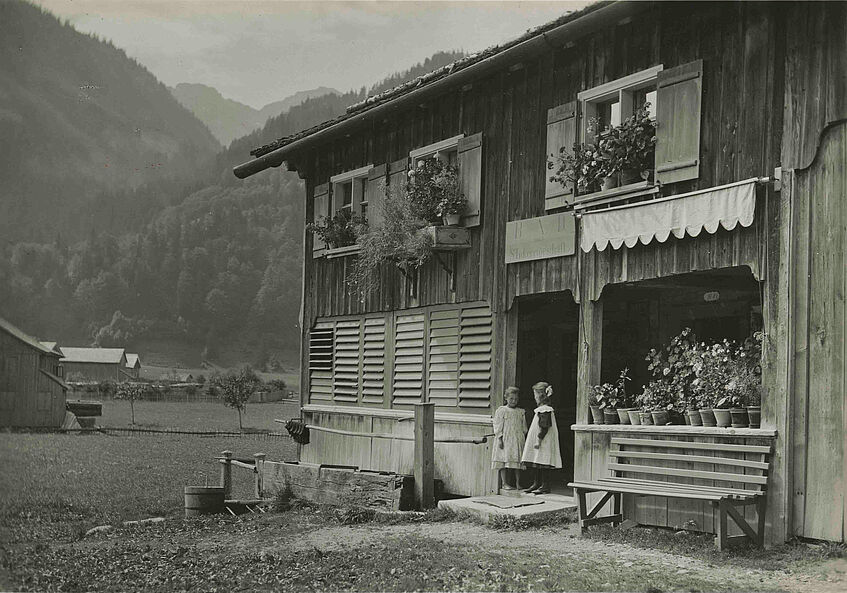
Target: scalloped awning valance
<point x="726" y="206"/>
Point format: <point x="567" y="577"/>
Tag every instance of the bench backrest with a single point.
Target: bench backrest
<point x="743" y="467"/>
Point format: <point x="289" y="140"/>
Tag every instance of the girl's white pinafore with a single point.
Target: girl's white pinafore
<point x="510" y="423"/>
<point x="548" y="453"/>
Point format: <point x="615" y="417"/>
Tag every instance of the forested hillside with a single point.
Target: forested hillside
<point x="79" y="119"/>
<point x="206" y="263"/>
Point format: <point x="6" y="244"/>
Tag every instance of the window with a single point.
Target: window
<point x="349" y="191"/>
<point x="466" y="154"/>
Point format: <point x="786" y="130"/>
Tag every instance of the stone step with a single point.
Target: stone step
<point x="514" y="504"/>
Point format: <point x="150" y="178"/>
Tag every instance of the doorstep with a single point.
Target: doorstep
<point x="519" y="505"/>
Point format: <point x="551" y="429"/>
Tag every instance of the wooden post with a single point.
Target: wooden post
<point x="226" y="473"/>
<point x="590" y="349"/>
<point x="424" y="454"/>
<point x="260" y="473"/>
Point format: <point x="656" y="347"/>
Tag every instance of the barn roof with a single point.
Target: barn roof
<point x="53" y="347"/>
<point x="101" y="355"/>
<point x="24" y="337"/>
<point x="555" y="33"/>
<point x="132" y="360"/>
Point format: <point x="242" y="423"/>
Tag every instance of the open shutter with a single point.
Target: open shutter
<point x="408" y="359"/>
<point x="397" y="177"/>
<point x="678" y="123"/>
<point x="373" y="361"/>
<point x="561" y="135"/>
<point x="320" y="362"/>
<point x="443" y="359"/>
<point x="321" y="210"/>
<point x="345" y="379"/>
<point x="376" y="195"/>
<point x="475" y="358"/>
<point x="470" y="177"/>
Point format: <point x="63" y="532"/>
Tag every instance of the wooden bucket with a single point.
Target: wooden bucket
<point x="203" y="500"/>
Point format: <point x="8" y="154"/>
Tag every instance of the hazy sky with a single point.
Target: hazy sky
<point x="262" y="51"/>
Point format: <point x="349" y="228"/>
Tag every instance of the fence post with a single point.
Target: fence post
<point x="226" y="473"/>
<point x="424" y="454"/>
<point x="260" y="473"/>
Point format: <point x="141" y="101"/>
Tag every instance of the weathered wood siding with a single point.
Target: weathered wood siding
<point x="96" y="371"/>
<point x="28" y="398"/>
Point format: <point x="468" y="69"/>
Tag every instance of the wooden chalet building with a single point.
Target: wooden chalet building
<point x="742" y="226"/>
<point x="32" y="392"/>
<point x="95" y="364"/>
<point x="133" y="365"/>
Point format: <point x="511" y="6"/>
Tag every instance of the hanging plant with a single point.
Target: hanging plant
<point x="400" y="241"/>
<point x="339" y="231"/>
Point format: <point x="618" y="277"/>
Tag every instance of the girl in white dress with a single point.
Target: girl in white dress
<point x="541" y="450"/>
<point x="509" y="437"/>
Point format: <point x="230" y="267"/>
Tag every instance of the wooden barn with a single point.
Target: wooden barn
<point x="133" y="365"/>
<point x="95" y="364"/>
<point x="740" y="226"/>
<point x="32" y="392"/>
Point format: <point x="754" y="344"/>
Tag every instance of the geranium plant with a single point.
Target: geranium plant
<point x="631" y="145"/>
<point x="583" y="168"/>
<point x="608" y="395"/>
<point x="339" y="231"/>
<point x="433" y="190"/>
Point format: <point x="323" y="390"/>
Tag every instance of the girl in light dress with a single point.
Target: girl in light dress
<point x="509" y="436"/>
<point x="541" y="450"/>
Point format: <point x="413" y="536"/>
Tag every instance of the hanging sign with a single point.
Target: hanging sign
<point x="540" y="238"/>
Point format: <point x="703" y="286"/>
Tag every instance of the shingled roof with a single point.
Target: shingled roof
<point x="421" y="82"/>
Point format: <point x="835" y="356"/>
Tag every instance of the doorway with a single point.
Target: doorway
<point x="547" y="351"/>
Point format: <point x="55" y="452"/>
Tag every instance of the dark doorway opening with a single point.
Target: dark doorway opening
<point x="547" y="351"/>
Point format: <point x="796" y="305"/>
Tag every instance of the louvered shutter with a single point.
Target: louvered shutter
<point x="408" y="359"/>
<point x="376" y="195"/>
<point x="443" y="358"/>
<point x="475" y="358"/>
<point x="397" y="177"/>
<point x="373" y="361"/>
<point x="345" y="380"/>
<point x="320" y="362"/>
<point x="678" y="123"/>
<point x="470" y="177"/>
<point x="321" y="210"/>
<point x="561" y="135"/>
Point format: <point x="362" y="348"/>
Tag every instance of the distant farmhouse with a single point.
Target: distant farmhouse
<point x="96" y="364"/>
<point x="32" y="392"/>
<point x="133" y="364"/>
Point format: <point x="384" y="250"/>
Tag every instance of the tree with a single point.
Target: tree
<point x="130" y="391"/>
<point x="235" y="388"/>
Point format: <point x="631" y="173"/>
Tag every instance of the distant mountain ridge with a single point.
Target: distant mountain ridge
<point x="228" y="119"/>
<point x="79" y="118"/>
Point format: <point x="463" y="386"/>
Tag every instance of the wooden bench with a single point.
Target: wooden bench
<point x="635" y="463"/>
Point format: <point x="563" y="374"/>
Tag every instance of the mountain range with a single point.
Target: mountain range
<point x="228" y="119"/>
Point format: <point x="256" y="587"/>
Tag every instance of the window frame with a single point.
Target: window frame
<point x="436" y="149"/>
<point x="345" y="178"/>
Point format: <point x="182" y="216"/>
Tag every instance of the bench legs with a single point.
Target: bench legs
<point x="589" y="517"/>
<point x="727" y="509"/>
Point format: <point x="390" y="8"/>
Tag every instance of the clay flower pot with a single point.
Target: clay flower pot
<point x="754" y="413"/>
<point x="694" y="418"/>
<point x="623" y="415"/>
<point x="452" y="219"/>
<point x="661" y="417"/>
<point x="646" y="418"/>
<point x="739" y="417"/>
<point x="596" y="415"/>
<point x="634" y="417"/>
<point x="723" y="417"/>
<point x="629" y="176"/>
<point x="610" y="416"/>
<point x="707" y="415"/>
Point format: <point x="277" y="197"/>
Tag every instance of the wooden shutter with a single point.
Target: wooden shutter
<point x="397" y="177"/>
<point x="373" y="361"/>
<point x="345" y="377"/>
<point x="561" y="135"/>
<point x="320" y="362"/>
<point x="321" y="210"/>
<point x="408" y="359"/>
<point x="678" y="123"/>
<point x="376" y="195"/>
<point x="470" y="177"/>
<point x="443" y="358"/>
<point x="475" y="358"/>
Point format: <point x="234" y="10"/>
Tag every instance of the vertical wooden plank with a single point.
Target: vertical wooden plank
<point x="590" y="354"/>
<point x="424" y="454"/>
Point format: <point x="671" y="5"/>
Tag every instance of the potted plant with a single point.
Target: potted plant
<point x="606" y="398"/>
<point x="339" y="231"/>
<point x="622" y="400"/>
<point x="630" y="147"/>
<point x="584" y="168"/>
<point x="658" y="397"/>
<point x="452" y="204"/>
<point x="594" y="406"/>
<point x="432" y="186"/>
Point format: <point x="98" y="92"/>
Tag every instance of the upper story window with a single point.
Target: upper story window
<point x="674" y="98"/>
<point x="349" y="193"/>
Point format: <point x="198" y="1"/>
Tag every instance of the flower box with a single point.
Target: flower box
<point x="449" y="238"/>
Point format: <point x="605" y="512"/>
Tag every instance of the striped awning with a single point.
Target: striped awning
<point x="686" y="214"/>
